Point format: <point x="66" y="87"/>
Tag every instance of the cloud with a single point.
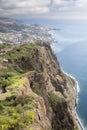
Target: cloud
<point x="81" y="3"/>
<point x="30" y="6"/>
<point x="24" y="7"/>
<point x="57" y="2"/>
<point x="44" y="8"/>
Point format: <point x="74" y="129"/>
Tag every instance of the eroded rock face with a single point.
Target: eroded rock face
<point x="39" y="87"/>
<point x="51" y="80"/>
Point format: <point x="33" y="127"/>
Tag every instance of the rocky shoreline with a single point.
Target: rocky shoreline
<point x="77" y="89"/>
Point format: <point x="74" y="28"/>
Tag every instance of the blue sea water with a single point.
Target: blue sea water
<point x="71" y="49"/>
<point x="70" y="46"/>
<point x="73" y="59"/>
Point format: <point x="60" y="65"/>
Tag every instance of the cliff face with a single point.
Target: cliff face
<point x="34" y="93"/>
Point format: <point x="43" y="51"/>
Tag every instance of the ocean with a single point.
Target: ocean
<point x="70" y="47"/>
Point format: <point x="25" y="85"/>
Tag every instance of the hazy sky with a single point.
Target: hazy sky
<point x="44" y="8"/>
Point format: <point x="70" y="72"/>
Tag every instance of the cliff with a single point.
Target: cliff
<point x="34" y="93"/>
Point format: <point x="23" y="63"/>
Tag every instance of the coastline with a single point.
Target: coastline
<point x="77" y="89"/>
<point x="78" y="121"/>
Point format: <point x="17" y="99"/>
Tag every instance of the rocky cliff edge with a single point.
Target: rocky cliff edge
<point x="34" y="93"/>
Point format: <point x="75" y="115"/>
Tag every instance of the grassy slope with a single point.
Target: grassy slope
<point x="15" y="113"/>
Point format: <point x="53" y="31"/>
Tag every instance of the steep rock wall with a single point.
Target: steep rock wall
<point x="37" y="73"/>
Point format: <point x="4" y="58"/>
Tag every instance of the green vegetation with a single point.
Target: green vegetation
<point x="4" y="82"/>
<point x="30" y="46"/>
<point x="7" y="78"/>
<point x="37" y="88"/>
<point x="22" y="51"/>
<point x="15" y="81"/>
<point x="54" y="100"/>
<point x="2" y="46"/>
<point x="11" y="77"/>
<point x="15" y="121"/>
<point x="19" y="56"/>
<point x="16" y="113"/>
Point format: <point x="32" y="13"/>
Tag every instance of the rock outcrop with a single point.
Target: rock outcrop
<point x="38" y="95"/>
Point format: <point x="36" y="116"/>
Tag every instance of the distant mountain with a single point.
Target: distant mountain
<point x="8" y="25"/>
<point x="7" y="20"/>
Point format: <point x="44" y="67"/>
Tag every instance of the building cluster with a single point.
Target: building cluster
<point x="27" y="34"/>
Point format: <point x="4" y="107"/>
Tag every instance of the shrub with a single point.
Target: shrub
<point x="54" y="100"/>
<point x="29" y="116"/>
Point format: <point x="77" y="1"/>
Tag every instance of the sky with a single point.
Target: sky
<point x="52" y="9"/>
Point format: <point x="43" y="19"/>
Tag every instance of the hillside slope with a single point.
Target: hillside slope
<point x="34" y="93"/>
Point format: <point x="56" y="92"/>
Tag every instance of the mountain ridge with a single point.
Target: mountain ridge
<point x="35" y="94"/>
<point x="32" y="71"/>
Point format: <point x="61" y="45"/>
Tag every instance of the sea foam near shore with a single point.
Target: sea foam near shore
<point x="77" y="91"/>
<point x="56" y="50"/>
